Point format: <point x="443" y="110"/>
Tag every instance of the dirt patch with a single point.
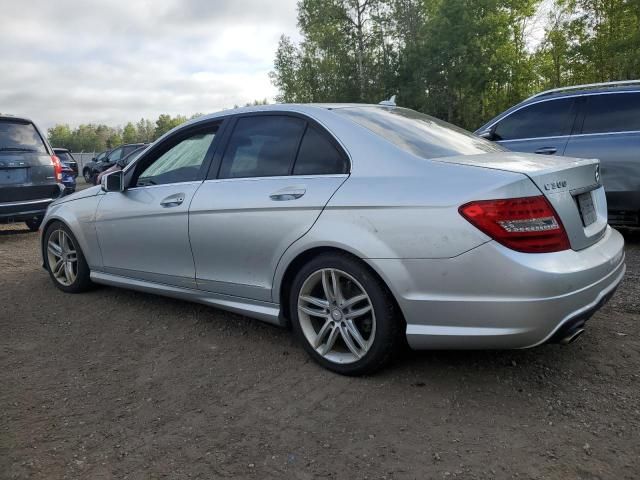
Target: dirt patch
<point x="118" y="384"/>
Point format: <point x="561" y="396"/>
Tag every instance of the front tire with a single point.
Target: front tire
<point x="86" y="173"/>
<point x="344" y="315"/>
<point x="64" y="259"/>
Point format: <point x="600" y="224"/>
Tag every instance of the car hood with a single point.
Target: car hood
<point x="88" y="192"/>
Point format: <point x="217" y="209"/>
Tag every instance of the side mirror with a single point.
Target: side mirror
<point x="490" y="133"/>
<point x="113" y="182"/>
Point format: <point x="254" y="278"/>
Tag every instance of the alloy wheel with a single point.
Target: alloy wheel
<point x="336" y="316"/>
<point x="63" y="258"/>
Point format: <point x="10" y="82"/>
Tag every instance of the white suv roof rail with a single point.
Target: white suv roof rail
<point x="620" y="83"/>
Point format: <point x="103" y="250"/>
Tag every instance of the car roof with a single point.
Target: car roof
<point x="579" y="92"/>
<point x="308" y="108"/>
<point x="60" y="149"/>
<point x="6" y="116"/>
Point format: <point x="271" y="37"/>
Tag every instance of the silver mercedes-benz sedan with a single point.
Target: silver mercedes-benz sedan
<point x="361" y="226"/>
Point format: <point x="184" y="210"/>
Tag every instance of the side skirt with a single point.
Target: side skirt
<point x="265" y="311"/>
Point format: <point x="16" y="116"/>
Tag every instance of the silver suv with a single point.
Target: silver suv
<point x="586" y="121"/>
<point x="30" y="173"/>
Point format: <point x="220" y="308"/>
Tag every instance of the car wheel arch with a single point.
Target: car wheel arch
<point x="305" y="256"/>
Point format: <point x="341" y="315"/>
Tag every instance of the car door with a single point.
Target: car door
<point x="542" y="127"/>
<point x="610" y="131"/>
<point x="143" y="231"/>
<point x="276" y="175"/>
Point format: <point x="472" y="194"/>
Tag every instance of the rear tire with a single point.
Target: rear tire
<point x="64" y="259"/>
<point x="86" y="173"/>
<point x="34" y="223"/>
<point x="355" y="331"/>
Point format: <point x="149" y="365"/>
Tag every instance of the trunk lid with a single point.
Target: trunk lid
<point x="571" y="185"/>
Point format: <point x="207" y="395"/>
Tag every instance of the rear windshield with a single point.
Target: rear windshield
<point x="20" y="136"/>
<point x="64" y="156"/>
<point x="417" y="133"/>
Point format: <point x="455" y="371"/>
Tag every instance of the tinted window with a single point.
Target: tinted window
<point x="544" y="119"/>
<point x="262" y="146"/>
<point x="64" y="156"/>
<point x="115" y="155"/>
<point x="123" y="162"/>
<point x="318" y="155"/>
<point x="181" y="163"/>
<point x="612" y="113"/>
<point x="417" y="133"/>
<point x="17" y="136"/>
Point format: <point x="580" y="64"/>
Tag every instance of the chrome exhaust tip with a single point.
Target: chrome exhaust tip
<point x="572" y="337"/>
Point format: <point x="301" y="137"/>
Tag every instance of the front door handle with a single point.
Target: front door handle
<point x="289" y="193"/>
<point x="546" y="151"/>
<point x="173" y="200"/>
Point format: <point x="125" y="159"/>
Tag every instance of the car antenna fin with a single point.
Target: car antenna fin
<point x="389" y="103"/>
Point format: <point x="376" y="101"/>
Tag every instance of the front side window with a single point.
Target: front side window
<point x="552" y="118"/>
<point x="20" y="136"/>
<point x="417" y="133"/>
<point x="181" y="163"/>
<point x="612" y="113"/>
<point x="262" y="146"/>
<point x="318" y="156"/>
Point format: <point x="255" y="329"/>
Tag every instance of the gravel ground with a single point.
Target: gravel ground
<point x="118" y="384"/>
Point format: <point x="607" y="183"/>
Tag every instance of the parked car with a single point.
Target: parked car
<point x="66" y="157"/>
<point x="107" y="159"/>
<point x="30" y="174"/>
<point x="358" y="225"/>
<point x="122" y="163"/>
<point x="589" y="121"/>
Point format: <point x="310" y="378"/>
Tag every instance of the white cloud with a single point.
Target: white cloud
<point x="120" y="60"/>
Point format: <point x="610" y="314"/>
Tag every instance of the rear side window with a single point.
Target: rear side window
<point x="262" y="146"/>
<point x="318" y="155"/>
<point x="612" y="113"/>
<point x="545" y="119"/>
<point x="20" y="137"/>
<point x="417" y="133"/>
<point x="115" y="155"/>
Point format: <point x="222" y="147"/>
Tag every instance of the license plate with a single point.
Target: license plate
<point x="13" y="176"/>
<point x="587" y="209"/>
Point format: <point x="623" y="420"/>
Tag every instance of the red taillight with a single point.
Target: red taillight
<point x="57" y="168"/>
<point x="526" y="224"/>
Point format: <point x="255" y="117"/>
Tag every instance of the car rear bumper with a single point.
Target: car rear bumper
<point x="494" y="297"/>
<point x="25" y="209"/>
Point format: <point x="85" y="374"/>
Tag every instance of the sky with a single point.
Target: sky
<point x="114" y="61"/>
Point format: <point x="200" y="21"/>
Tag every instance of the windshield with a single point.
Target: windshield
<point x="20" y="137"/>
<point x="417" y="133"/>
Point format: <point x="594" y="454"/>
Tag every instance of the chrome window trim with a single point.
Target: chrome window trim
<point x="585" y="94"/>
<point x="293" y="178"/>
<point x="191" y="182"/>
<point x="570" y="136"/>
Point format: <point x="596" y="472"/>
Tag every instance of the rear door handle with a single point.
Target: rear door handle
<point x="547" y="150"/>
<point x="288" y="193"/>
<point x="173" y="200"/>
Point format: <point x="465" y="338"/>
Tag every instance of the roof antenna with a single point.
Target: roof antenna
<point x="389" y="103"/>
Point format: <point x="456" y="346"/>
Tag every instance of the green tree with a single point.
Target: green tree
<point x="129" y="133"/>
<point x="165" y="122"/>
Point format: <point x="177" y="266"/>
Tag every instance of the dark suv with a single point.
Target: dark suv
<point x="588" y="121"/>
<point x="30" y="174"/>
<point x="107" y="159"/>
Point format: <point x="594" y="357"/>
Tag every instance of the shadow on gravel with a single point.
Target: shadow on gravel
<point x="7" y="232"/>
<point x="631" y="235"/>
